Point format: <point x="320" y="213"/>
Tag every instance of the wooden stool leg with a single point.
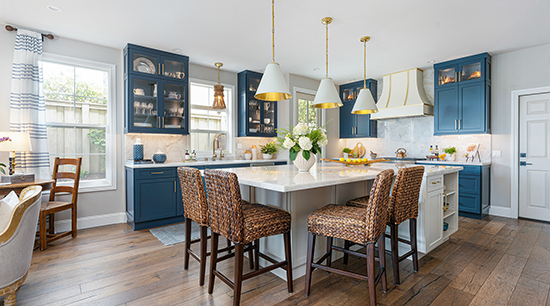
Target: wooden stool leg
<point x="329" y="251"/>
<point x="239" y="258"/>
<point x="370" y="273"/>
<point x="288" y="258"/>
<point x="347" y="244"/>
<point x="51" y="220"/>
<point x="213" y="261"/>
<point x="42" y="231"/>
<point x="309" y="260"/>
<point x="412" y="231"/>
<point x="382" y="258"/>
<point x="257" y="254"/>
<point x="395" y="252"/>
<point x="203" y="246"/>
<point x="187" y="243"/>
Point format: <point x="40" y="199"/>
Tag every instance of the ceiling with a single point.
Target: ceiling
<point x="405" y="34"/>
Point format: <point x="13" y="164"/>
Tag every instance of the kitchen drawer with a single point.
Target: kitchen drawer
<point x="469" y="203"/>
<point x="155" y="172"/>
<point x="470" y="170"/>
<point x="435" y="182"/>
<point x="469" y="184"/>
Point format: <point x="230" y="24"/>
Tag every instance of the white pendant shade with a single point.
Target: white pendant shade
<point x="327" y="96"/>
<point x="365" y="103"/>
<point x="273" y="86"/>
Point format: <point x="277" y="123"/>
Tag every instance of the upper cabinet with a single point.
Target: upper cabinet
<point x="356" y="126"/>
<point x="156" y="91"/>
<point x="256" y="117"/>
<point x="462" y="98"/>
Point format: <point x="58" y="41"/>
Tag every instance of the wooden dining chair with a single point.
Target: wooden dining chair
<point x="47" y="234"/>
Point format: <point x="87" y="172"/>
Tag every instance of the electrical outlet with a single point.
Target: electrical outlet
<point x="497" y="154"/>
<point x="239" y="146"/>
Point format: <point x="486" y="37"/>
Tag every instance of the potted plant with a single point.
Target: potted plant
<point x="268" y="150"/>
<point x="451" y="152"/>
<point x="346" y="152"/>
<point x="303" y="142"/>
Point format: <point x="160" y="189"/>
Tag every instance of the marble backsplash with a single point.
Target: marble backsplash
<point x="175" y="145"/>
<point x="416" y="136"/>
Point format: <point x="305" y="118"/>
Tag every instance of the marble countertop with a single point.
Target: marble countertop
<point x="130" y="164"/>
<point x="458" y="163"/>
<point x="287" y="178"/>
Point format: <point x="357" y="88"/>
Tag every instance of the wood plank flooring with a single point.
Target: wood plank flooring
<point x="495" y="261"/>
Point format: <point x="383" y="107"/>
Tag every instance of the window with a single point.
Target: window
<point x="207" y="123"/>
<point x="306" y="112"/>
<point x="78" y="98"/>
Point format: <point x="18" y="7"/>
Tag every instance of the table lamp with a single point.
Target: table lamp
<point x="14" y="141"/>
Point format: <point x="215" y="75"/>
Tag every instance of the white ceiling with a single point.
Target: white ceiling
<point x="405" y="33"/>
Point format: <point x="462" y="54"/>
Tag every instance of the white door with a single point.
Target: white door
<point x="534" y="149"/>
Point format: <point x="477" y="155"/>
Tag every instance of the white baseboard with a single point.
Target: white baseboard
<point x="92" y="221"/>
<point x="500" y="211"/>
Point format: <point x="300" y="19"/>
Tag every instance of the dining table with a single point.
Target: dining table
<point x="6" y="188"/>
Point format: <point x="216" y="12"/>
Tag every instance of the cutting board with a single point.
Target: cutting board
<point x="359" y="149"/>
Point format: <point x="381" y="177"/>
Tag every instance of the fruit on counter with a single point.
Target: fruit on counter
<point x="365" y="160"/>
<point x="342" y="159"/>
<point x="442" y="156"/>
<point x="348" y="160"/>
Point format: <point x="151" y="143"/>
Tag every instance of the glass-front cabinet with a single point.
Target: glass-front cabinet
<point x="356" y="126"/>
<point x="463" y="70"/>
<point x="156" y="95"/>
<point x="256" y="117"/>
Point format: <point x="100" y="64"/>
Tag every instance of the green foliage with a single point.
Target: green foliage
<point x="269" y="148"/>
<point x="288" y="140"/>
<point x="62" y="87"/>
<point x="450" y="150"/>
<point x="346" y="150"/>
<point x="98" y="138"/>
<point x="2" y="166"/>
<point x="306" y="111"/>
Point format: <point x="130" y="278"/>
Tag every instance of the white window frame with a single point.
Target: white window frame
<point x="231" y="120"/>
<point x="109" y="183"/>
<point x="321" y="113"/>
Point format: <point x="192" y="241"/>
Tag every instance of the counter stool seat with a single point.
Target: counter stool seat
<point x="262" y="221"/>
<point x="339" y="221"/>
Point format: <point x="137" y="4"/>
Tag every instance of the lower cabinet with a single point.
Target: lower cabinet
<point x="474" y="198"/>
<point x="153" y="197"/>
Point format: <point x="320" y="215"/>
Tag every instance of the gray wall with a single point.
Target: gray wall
<point x="517" y="70"/>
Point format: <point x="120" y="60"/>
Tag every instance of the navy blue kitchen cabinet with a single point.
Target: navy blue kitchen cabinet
<point x="153" y="197"/>
<point x="257" y="118"/>
<point x="462" y="97"/>
<point x="356" y="126"/>
<point x="156" y="91"/>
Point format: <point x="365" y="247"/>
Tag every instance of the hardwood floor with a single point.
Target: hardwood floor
<point x="496" y="261"/>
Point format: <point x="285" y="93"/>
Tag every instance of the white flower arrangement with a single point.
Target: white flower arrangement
<point x="307" y="138"/>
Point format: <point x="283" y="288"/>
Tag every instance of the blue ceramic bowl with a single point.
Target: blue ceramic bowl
<point x="445" y="226"/>
<point x="159" y="158"/>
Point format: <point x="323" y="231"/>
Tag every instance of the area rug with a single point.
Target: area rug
<point x="173" y="234"/>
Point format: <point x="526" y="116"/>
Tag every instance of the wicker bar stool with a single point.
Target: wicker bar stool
<point x="403" y="206"/>
<point x="195" y="208"/>
<point x="361" y="225"/>
<point x="243" y="223"/>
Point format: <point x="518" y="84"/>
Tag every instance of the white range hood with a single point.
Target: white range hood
<point x="403" y="96"/>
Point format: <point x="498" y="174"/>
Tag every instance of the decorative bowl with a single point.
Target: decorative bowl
<point x="159" y="157"/>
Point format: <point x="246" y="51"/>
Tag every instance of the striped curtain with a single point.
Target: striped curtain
<point x="27" y="107"/>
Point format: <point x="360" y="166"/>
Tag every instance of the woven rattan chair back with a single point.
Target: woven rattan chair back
<point x="193" y="195"/>
<point x="225" y="204"/>
<point x="377" y="209"/>
<point x="406" y="190"/>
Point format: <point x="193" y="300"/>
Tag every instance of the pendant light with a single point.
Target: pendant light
<point x="273" y="86"/>
<point x="365" y="103"/>
<point x="327" y="96"/>
<point x="218" y="92"/>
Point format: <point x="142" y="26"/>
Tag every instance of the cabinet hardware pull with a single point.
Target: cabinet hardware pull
<point x="157" y="172"/>
<point x="456" y="76"/>
<point x="159" y="122"/>
<point x="162" y="122"/>
<point x="174" y="186"/>
<point x="460" y="76"/>
<point x="159" y="68"/>
<point x="459" y="124"/>
<point x="434" y="183"/>
<point x="455" y="123"/>
<point x="162" y="69"/>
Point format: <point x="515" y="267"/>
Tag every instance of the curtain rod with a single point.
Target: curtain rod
<point x="11" y="28"/>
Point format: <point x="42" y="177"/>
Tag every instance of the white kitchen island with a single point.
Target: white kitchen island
<point x="302" y="193"/>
